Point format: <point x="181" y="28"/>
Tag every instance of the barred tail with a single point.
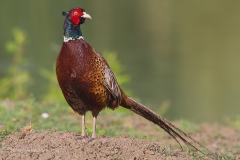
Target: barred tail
<point x="172" y="130"/>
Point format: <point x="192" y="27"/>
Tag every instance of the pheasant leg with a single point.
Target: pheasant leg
<point x="94" y="127"/>
<point x="83" y="126"/>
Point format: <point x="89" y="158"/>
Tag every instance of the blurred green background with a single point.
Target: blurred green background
<point x="179" y="55"/>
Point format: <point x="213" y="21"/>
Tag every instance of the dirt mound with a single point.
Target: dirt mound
<point x="67" y="145"/>
<point x="29" y="144"/>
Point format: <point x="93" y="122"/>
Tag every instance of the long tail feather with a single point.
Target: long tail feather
<point x="172" y="130"/>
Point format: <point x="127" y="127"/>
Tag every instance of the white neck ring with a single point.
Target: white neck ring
<point x="66" y="39"/>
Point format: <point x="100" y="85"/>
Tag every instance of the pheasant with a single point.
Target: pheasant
<point x="88" y="83"/>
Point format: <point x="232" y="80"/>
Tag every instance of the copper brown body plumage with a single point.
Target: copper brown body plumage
<point x="88" y="83"/>
<point x="85" y="78"/>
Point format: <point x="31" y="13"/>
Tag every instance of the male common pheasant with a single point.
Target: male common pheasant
<point x="88" y="83"/>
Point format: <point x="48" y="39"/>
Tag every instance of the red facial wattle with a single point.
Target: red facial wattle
<point x="76" y="15"/>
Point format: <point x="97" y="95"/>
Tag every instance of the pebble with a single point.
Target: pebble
<point x="149" y="152"/>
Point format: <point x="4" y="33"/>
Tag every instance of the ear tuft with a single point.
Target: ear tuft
<point x="64" y="13"/>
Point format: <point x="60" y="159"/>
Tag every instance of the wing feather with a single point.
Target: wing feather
<point x="110" y="82"/>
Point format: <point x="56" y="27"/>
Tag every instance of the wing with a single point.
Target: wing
<point x="110" y="82"/>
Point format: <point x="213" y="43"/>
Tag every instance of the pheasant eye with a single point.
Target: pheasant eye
<point x="75" y="13"/>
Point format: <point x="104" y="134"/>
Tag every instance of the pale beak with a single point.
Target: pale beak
<point x="85" y="15"/>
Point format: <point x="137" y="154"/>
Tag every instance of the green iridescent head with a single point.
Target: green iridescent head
<point x="73" y="19"/>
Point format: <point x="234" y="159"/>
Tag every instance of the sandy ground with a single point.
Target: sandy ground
<point x="65" y="145"/>
<point x="69" y="145"/>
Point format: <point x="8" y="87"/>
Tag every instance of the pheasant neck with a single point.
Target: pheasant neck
<point x="71" y="31"/>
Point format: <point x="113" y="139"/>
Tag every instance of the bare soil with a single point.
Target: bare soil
<point x="54" y="144"/>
